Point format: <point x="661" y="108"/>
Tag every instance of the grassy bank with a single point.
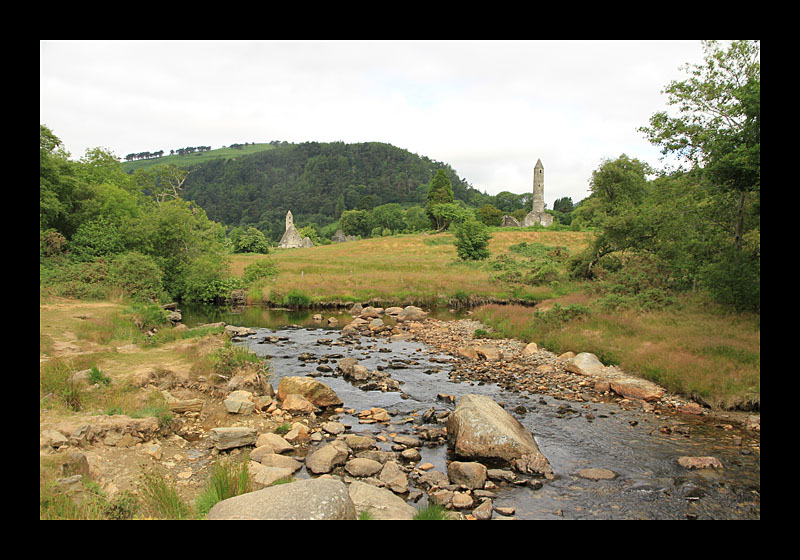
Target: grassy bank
<point x="693" y="348"/>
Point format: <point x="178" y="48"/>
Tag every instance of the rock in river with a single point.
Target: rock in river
<point x="479" y="428"/>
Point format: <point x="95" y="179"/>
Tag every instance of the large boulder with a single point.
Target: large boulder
<point x="411" y="313"/>
<point x="379" y="503"/>
<point x="315" y="498"/>
<point x="586" y="363"/>
<point x="317" y="392"/>
<point x="479" y="428"/>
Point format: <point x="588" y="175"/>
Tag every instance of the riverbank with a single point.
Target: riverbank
<point x="112" y="450"/>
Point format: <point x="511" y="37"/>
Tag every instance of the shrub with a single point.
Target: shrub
<point x="260" y="270"/>
<point x="252" y="240"/>
<point x="734" y="279"/>
<point x="146" y="316"/>
<point x="472" y="240"/>
<point x="161" y="496"/>
<point x="96" y="238"/>
<point x="137" y="275"/>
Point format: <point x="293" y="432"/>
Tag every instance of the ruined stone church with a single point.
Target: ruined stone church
<point x="291" y="237"/>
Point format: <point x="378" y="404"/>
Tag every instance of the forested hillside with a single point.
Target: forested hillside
<point x="316" y="181"/>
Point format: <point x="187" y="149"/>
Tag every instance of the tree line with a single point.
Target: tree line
<point x="160" y="153"/>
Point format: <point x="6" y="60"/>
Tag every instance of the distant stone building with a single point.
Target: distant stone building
<point x="291" y="237"/>
<point x="537" y="215"/>
<point x="510" y="221"/>
<point x="340" y="237"/>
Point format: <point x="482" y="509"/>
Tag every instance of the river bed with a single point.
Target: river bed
<point x="641" y="448"/>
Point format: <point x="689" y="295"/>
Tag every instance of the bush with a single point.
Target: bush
<point x="227" y="478"/>
<point x="96" y="238"/>
<point x="137" y="275"/>
<point x="734" y="279"/>
<point x="252" y="240"/>
<point x="472" y="240"/>
<point x="260" y="270"/>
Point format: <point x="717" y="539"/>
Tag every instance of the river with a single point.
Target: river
<point x="641" y="448"/>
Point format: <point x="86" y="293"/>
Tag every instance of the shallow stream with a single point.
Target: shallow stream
<point x="650" y="484"/>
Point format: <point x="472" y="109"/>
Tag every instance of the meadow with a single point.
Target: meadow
<point x="411" y="269"/>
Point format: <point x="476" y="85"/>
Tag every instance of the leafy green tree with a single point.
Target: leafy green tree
<point x="137" y="275"/>
<point x="356" y="222"/>
<point x="472" y="240"/>
<point x="60" y="190"/>
<point x="389" y="216"/>
<point x="312" y="232"/>
<point x="416" y="219"/>
<point x="507" y="201"/>
<point x="96" y="238"/>
<point x="619" y="183"/>
<point x="251" y="240"/>
<point x="440" y="191"/>
<point x="718" y="125"/>
<point x="443" y="215"/>
<point x="490" y="215"/>
<point x="717" y="132"/>
<point x="178" y="236"/>
<point x="563" y="205"/>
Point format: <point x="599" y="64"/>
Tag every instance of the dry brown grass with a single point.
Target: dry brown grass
<point x="697" y="348"/>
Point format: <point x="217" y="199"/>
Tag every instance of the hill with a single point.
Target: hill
<point x="316" y="181"/>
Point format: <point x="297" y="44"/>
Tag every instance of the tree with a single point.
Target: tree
<point x="563" y="205"/>
<point x="490" y="215"/>
<point x="718" y="126"/>
<point x="251" y="240"/>
<point x="619" y="183"/>
<point x="472" y="240"/>
<point x="355" y="222"/>
<point x="416" y="219"/>
<point x="389" y="216"/>
<point x="440" y="191"/>
<point x="443" y="215"/>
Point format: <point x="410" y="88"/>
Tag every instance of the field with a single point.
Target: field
<point x="421" y="269"/>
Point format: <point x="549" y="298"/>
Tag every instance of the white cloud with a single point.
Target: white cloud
<point x="488" y="108"/>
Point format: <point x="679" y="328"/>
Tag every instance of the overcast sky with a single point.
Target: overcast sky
<point x="490" y="109"/>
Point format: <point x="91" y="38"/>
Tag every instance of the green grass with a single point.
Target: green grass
<point x="194" y="159"/>
<point x="432" y="512"/>
<point x="227" y="478"/>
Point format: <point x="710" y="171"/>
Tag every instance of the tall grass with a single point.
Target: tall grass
<point x="227" y="478"/>
<point x="161" y="497"/>
<point x="695" y="348"/>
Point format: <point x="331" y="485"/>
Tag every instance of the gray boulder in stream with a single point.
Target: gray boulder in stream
<point x="316" y="498"/>
<point x="479" y="428"/>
